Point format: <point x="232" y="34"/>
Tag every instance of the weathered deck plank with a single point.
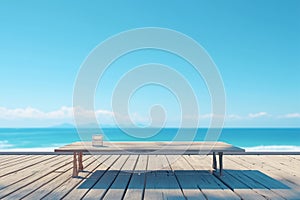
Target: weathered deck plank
<point x="161" y="182"/>
<point x="99" y="190"/>
<point x="185" y="175"/>
<point x="295" y="157"/>
<point x="119" y="186"/>
<point x="135" y="189"/>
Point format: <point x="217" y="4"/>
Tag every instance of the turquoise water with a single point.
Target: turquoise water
<point x="49" y="137"/>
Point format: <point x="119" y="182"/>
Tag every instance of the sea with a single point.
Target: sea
<point x="47" y="139"/>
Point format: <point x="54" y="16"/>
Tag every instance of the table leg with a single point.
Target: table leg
<point x="221" y="162"/>
<point x="75" y="172"/>
<point x="214" y="165"/>
<point x="80" y="161"/>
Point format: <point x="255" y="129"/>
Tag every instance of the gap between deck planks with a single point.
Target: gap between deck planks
<point x="136" y="186"/>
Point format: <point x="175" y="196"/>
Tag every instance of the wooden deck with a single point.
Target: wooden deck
<point x="166" y="177"/>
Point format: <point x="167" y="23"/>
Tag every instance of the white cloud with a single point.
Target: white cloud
<point x="33" y="113"/>
<point x="257" y="115"/>
<point x="290" y="115"/>
<point x="63" y="112"/>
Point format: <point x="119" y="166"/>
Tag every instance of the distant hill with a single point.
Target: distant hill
<point x="92" y="125"/>
<point x="64" y="125"/>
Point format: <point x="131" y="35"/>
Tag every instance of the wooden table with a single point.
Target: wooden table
<point x="150" y="148"/>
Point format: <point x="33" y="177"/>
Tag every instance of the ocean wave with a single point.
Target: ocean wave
<point x="274" y="148"/>
<point x="5" y="144"/>
<point x="37" y="149"/>
<point x="6" y="147"/>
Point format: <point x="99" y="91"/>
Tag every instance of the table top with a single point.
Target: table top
<point x="149" y="148"/>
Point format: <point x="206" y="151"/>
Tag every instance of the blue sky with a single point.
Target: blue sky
<point x="255" y="45"/>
